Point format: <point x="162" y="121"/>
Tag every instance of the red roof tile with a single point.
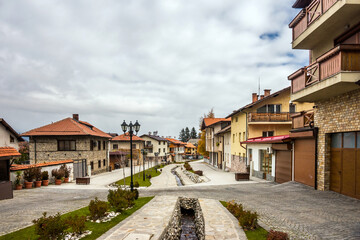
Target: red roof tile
<point x="8" y="152"/>
<point x="207" y="122"/>
<point x="190" y="145"/>
<point x="67" y="127"/>
<point x="175" y="141"/>
<point x="126" y="137"/>
<point x="16" y="167"/>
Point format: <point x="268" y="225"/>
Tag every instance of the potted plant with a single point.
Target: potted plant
<point x="45" y="178"/>
<point x="66" y="171"/>
<point x="18" y="185"/>
<point x="37" y="175"/>
<point x="29" y="177"/>
<point x="58" y="174"/>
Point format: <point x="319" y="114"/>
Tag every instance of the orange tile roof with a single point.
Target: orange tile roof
<point x="207" y="122"/>
<point x="175" y="141"/>
<point x="8" y="152"/>
<point x="190" y="145"/>
<point x="67" y="127"/>
<point x="126" y="137"/>
<point x="16" y="167"/>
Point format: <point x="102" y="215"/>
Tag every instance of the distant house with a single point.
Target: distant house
<point x="121" y="144"/>
<point x="73" y="139"/>
<point x="6" y="154"/>
<point x="155" y="144"/>
<point x="176" y="149"/>
<point x="8" y="136"/>
<point x="190" y="149"/>
<point x="224" y="137"/>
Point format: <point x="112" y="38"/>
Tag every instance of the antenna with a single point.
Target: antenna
<point x="259" y="87"/>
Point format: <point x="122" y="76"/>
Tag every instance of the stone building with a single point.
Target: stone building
<point x="73" y="139"/>
<point x="328" y="135"/>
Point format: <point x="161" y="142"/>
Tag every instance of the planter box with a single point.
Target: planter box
<point x="83" y="180"/>
<point x="6" y="191"/>
<point x="199" y="172"/>
<point x="242" y="176"/>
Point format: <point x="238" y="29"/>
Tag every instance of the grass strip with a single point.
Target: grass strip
<point x="138" y="177"/>
<point x="257" y="234"/>
<point x="97" y="229"/>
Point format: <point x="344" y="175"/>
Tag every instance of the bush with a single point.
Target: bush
<point x="136" y="194"/>
<point x="148" y="176"/>
<point x="29" y="174"/>
<point x="66" y="170"/>
<point x="136" y="184"/>
<point x="98" y="209"/>
<point x="187" y="166"/>
<point x="76" y="223"/>
<point x="248" y="220"/>
<point x="58" y="173"/>
<point x="236" y="209"/>
<point x="45" y="175"/>
<point x="276" y="235"/>
<point x="52" y="227"/>
<point x="37" y="174"/>
<point x="18" y="178"/>
<point x="120" y="199"/>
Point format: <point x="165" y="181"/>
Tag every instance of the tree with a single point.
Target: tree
<point x="202" y="147"/>
<point x="193" y="133"/>
<point x="210" y="114"/>
<point x="182" y="135"/>
<point x="187" y="134"/>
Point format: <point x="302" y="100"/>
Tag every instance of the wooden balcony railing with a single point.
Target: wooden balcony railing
<point x="308" y="15"/>
<point x="269" y="117"/>
<point x="343" y="58"/>
<point x="303" y="119"/>
<point x="148" y="145"/>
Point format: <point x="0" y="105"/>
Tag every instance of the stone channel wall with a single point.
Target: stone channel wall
<point x="173" y="229"/>
<point x="193" y="177"/>
<point x="337" y="114"/>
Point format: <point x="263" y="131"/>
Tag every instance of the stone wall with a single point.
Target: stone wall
<point x="238" y="164"/>
<point x="47" y="151"/>
<point x="338" y="114"/>
<point x="193" y="177"/>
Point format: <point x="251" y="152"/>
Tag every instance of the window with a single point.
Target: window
<point x="349" y="140"/>
<point x="244" y="136"/>
<point x="269" y="108"/>
<point x="92" y="165"/>
<point x="163" y="149"/>
<point x="12" y="139"/>
<point x="292" y="108"/>
<point x="336" y="140"/>
<point x="250" y="154"/>
<point x="159" y="142"/>
<point x="91" y="145"/>
<point x="268" y="133"/>
<point x="99" y="145"/>
<point x="236" y="119"/>
<point x="104" y="146"/>
<point x="164" y="143"/>
<point x="358" y="140"/>
<point x="134" y="146"/>
<point x="104" y="162"/>
<point x="233" y="138"/>
<point x="66" y="145"/>
<point x="99" y="164"/>
<point x="265" y="161"/>
<point x="115" y="146"/>
<point x="239" y="137"/>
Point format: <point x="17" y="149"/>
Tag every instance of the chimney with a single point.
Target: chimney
<point x="254" y="97"/>
<point x="267" y="92"/>
<point x="76" y="117"/>
<point x="261" y="97"/>
<point x="149" y="133"/>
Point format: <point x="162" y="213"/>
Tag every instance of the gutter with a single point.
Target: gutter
<point x="316" y="130"/>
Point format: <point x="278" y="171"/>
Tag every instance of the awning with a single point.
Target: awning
<point x="273" y="139"/>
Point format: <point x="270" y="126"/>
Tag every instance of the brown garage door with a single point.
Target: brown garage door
<point x="283" y="166"/>
<point x="304" y="161"/>
<point x="345" y="163"/>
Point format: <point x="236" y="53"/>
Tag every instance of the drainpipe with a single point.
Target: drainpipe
<point x="35" y="151"/>
<point x="316" y="157"/>
<point x="246" y="132"/>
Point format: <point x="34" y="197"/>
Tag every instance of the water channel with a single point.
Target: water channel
<point x="188" y="228"/>
<point x="178" y="180"/>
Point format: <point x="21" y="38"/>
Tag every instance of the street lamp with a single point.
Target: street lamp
<point x="156" y="158"/>
<point x="125" y="127"/>
<point x="144" y="153"/>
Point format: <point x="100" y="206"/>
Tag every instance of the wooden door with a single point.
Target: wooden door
<point x="304" y="161"/>
<point x="335" y="170"/>
<point x="283" y="166"/>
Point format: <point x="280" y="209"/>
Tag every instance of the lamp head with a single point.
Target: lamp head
<point x="124" y="126"/>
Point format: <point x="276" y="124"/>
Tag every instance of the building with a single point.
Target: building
<point x="211" y="126"/>
<point x="330" y="30"/>
<point x="121" y="144"/>
<point x="155" y="144"/>
<point x="176" y="149"/>
<point x="190" y="149"/>
<point x="224" y="136"/>
<point x="6" y="154"/>
<point x="267" y="115"/>
<point x="8" y="136"/>
<point x="73" y="139"/>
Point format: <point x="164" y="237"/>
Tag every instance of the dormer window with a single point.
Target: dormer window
<point x="12" y="139"/>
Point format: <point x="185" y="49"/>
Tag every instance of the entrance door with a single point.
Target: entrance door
<point x="345" y="163"/>
<point x="79" y="168"/>
<point x="265" y="163"/>
<point x="283" y="166"/>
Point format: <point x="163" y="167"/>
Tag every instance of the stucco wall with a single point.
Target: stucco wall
<point x="256" y="165"/>
<point x="156" y="146"/>
<point x="338" y="114"/>
<point x="238" y="127"/>
<point x="5" y="138"/>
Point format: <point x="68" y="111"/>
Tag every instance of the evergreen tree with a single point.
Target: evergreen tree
<point x="187" y="134"/>
<point x="182" y="135"/>
<point x="193" y="133"/>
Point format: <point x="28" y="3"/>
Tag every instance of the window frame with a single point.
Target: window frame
<point x="64" y="146"/>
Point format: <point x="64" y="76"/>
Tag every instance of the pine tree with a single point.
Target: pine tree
<point x="193" y="133"/>
<point x="182" y="135"/>
<point x="187" y="134"/>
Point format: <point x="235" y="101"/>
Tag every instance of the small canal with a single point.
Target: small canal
<point x="188" y="228"/>
<point x="178" y="180"/>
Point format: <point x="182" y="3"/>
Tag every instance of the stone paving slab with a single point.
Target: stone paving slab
<point x="150" y="220"/>
<point x="219" y="223"/>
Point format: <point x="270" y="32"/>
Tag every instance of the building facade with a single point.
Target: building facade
<point x="8" y="136"/>
<point x="121" y="144"/>
<point x="155" y="144"/>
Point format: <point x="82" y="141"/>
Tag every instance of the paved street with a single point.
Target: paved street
<point x="291" y="207"/>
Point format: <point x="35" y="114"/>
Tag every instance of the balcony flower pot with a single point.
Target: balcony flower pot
<point x="45" y="182"/>
<point x="66" y="180"/>
<point x="18" y="187"/>
<point x="58" y="181"/>
<point x="38" y="183"/>
<point x="28" y="185"/>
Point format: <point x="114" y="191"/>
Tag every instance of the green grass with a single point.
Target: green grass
<point x="257" y="234"/>
<point x="139" y="179"/>
<point x="97" y="229"/>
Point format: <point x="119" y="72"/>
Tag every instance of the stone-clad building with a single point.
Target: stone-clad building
<point x="72" y="139"/>
<point x="329" y="136"/>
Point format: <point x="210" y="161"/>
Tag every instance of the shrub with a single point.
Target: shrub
<point x="52" y="227"/>
<point x="37" y="174"/>
<point x="148" y="176"/>
<point x="76" y="223"/>
<point x="276" y="235"/>
<point x="187" y="166"/>
<point x="136" y="194"/>
<point x="98" y="208"/>
<point x="29" y="174"/>
<point x="248" y="220"/>
<point x="58" y="173"/>
<point x="18" y="178"/>
<point x="236" y="209"/>
<point x="120" y="199"/>
<point x="66" y="170"/>
<point x="136" y="184"/>
<point x="45" y="175"/>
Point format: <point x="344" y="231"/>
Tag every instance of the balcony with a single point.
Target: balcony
<point x="259" y="118"/>
<point x="333" y="73"/>
<point x="323" y="20"/>
<point x="303" y="119"/>
<point x="148" y="145"/>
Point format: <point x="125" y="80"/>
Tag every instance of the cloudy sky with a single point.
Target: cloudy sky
<point x="164" y="63"/>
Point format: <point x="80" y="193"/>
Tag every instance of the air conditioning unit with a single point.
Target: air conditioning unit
<point x="269" y="150"/>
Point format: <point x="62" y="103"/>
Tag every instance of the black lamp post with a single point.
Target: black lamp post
<point x="131" y="127"/>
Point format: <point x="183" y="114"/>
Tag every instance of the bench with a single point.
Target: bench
<point x="83" y="180"/>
